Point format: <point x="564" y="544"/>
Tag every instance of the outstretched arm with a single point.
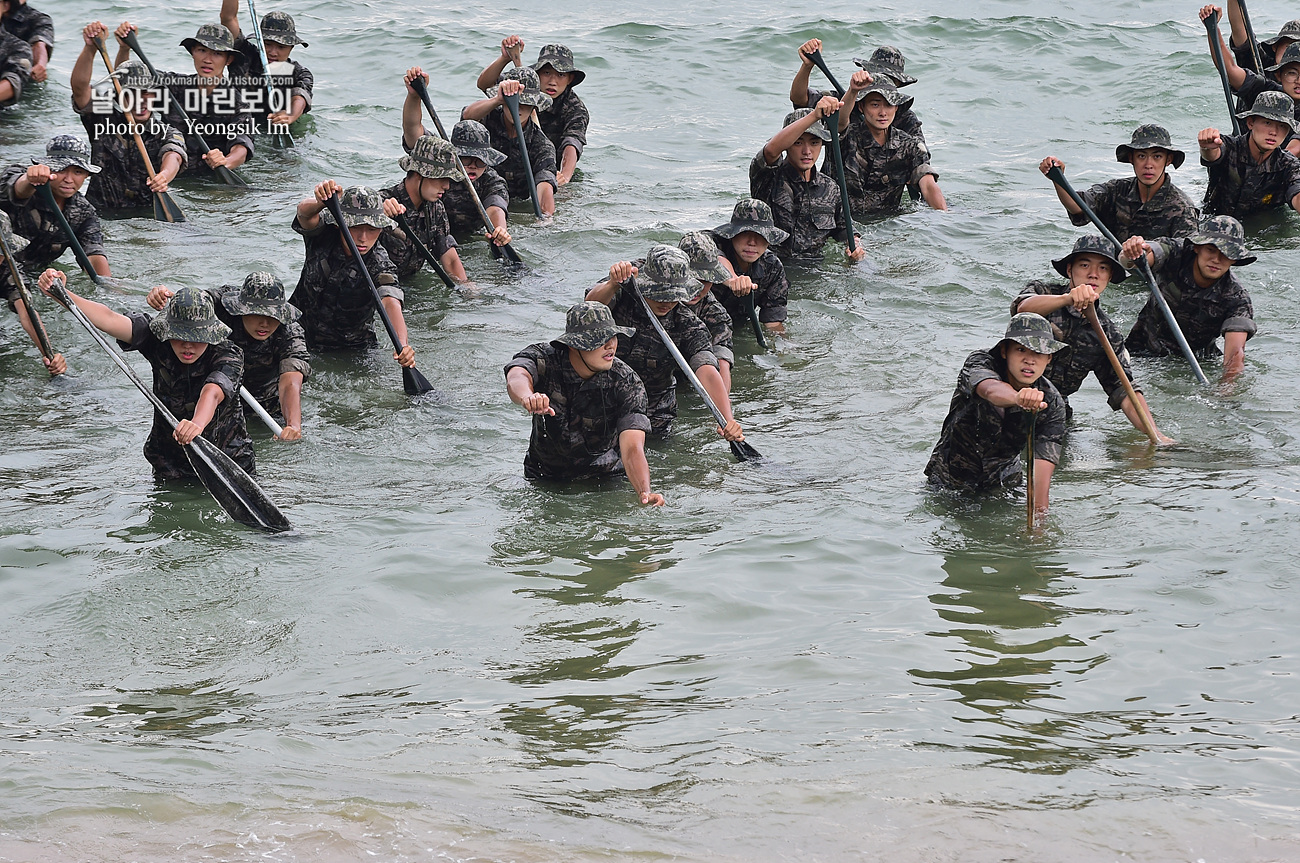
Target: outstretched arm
<point x="799" y="86"/>
<point x="608" y="289"/>
<point x="105" y="319"/>
<point x="1066" y="201"/>
<point x="1236" y="74"/>
<point x="786" y="138"/>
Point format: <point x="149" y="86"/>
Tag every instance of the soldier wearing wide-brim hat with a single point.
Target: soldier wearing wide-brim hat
<point x="1248" y="84"/>
<point x="588" y="407"/>
<point x="491" y="112"/>
<point x="338" y="308"/>
<point x="197" y="373"/>
<point x="1269" y="49"/>
<point x="1195" y="275"/>
<point x="1089" y="268"/>
<point x="707" y="269"/>
<point x="279" y="38"/>
<point x="885" y="61"/>
<point x="432" y="169"/>
<point x="1147" y="203"/>
<point x="666" y="282"/>
<point x="1252" y="171"/>
<point x="745" y="241"/>
<point x="1001" y="395"/>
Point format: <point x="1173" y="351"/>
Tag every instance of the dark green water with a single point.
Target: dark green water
<point x="812" y="661"/>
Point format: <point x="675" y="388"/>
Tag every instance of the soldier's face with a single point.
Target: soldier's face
<point x="1211" y="263"/>
<point x="805" y="152"/>
<point x="661" y="308"/>
<point x="1267" y="135"/>
<point x="1149" y="165"/>
<point x="554" y="83"/>
<point x="209" y="63"/>
<point x="66" y="182"/>
<point x="749" y="245"/>
<point x="365" y="236"/>
<point x="879" y="113"/>
<point x="1090" y="270"/>
<point x="602" y="358"/>
<point x="187" y="352"/>
<point x="1289" y="78"/>
<point x="260" y="327"/>
<point x="474" y="167"/>
<point x="1023" y="365"/>
<point x="275" y="52"/>
<point x="432" y="190"/>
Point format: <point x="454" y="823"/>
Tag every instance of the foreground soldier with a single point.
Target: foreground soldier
<point x="65" y="167"/>
<point x="1090" y="267"/>
<point x="1148" y="203"/>
<point x="263" y="326"/>
<point x="36" y="29"/>
<point x="666" y="283"/>
<point x="1001" y="394"/>
<point x="197" y="373"/>
<point x="430" y="171"/>
<point x="279" y="38"/>
<point x="491" y="112"/>
<point x="588" y="406"/>
<point x="744" y="242"/>
<point x="1251" y="172"/>
<point x="338" y="310"/>
<point x="1194" y="275"/>
<point x="805" y="202"/>
<point x="55" y="365"/>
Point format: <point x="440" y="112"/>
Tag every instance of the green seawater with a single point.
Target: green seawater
<point x="815" y="659"/>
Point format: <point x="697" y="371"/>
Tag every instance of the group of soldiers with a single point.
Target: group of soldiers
<point x="596" y="391"/>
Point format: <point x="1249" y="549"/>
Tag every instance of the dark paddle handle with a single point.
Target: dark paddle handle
<point x="424" y="250"/>
<point x="423" y="92"/>
<point x="840" y="177"/>
<point x="1058" y="177"/>
<point x="77" y="251"/>
<point x="336" y="210"/>
<point x="1250" y="37"/>
<point x="1029" y="472"/>
<point x="816" y="57"/>
<point x="512" y="107"/>
<point x="227" y="176"/>
<point x="1148" y="424"/>
<point x="1216" y="51"/>
<point x="754" y="321"/>
<point x="38" y="326"/>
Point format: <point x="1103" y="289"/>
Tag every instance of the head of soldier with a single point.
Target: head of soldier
<point x="878" y="112"/>
<point x="1266" y="135"/>
<point x="69" y="160"/>
<point x="363" y="216"/>
<point x="592" y="338"/>
<point x="211" y="48"/>
<point x="556" y="71"/>
<point x="804" y="153"/>
<point x="1027" y="347"/>
<point x="279" y="36"/>
<point x="189" y="324"/>
<point x="749" y="245"/>
<point x="1220" y="244"/>
<point x="1089" y="269"/>
<point x="666" y="279"/>
<point x="430" y="168"/>
<point x="474" y="168"/>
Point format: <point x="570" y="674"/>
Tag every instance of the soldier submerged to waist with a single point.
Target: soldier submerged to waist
<point x="745" y="243"/>
<point x="1248" y="83"/>
<point x="524" y="83"/>
<point x="15" y="61"/>
<point x="886" y="62"/>
<point x="55" y="365"/>
<point x="430" y="171"/>
<point x="279" y="38"/>
<point x="33" y="27"/>
<point x="1251" y="172"/>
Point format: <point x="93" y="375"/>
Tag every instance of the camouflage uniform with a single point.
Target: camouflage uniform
<point x="33" y="219"/>
<point x="718" y="320"/>
<point x="276" y="27"/>
<point x="1203" y="314"/>
<point x="429" y="221"/>
<point x="15" y="63"/>
<point x="905" y="120"/>
<point x="462" y="215"/>
<point x="1267" y="47"/>
<point x="1169" y="213"/>
<point x="264" y="361"/>
<point x="565" y="122"/>
<point x="877" y="175"/>
<point x="16" y="245"/>
<point x="30" y="25"/>
<point x="808" y="210"/>
<point x="211" y="110"/>
<point x="980" y="445"/>
<point x="771" y="289"/>
<point x="1238" y="184"/>
<point x="581" y="440"/>
<point x="338" y="310"/>
<point x="179" y="386"/>
<point x="541" y="155"/>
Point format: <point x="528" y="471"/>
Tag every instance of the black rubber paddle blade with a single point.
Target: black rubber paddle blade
<point x="415" y="383"/>
<point x="230" y="178"/>
<point x="165" y="209"/>
<point x="743" y="451"/>
<point x="237" y="492"/>
<point x="283" y="140"/>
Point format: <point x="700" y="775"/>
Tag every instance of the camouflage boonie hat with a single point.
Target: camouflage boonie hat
<point x="885" y="88"/>
<point x="1273" y="105"/>
<point x="703" y="253"/>
<point x="1150" y="137"/>
<point x="434" y="158"/>
<point x="1227" y="235"/>
<point x="262" y="294"/>
<point x="589" y="325"/>
<point x="13" y="242"/>
<point x="213" y="36"/>
<point x="532" y="94"/>
<point x="754" y="215"/>
<point x="473" y="141"/>
<point x="134" y="75"/>
<point x="889" y="60"/>
<point x="1289" y="56"/>
<point x="818" y="129"/>
<point x="65" y="151"/>
<point x="278" y="27"/>
<point x="666" y="276"/>
<point x="1033" y="332"/>
<point x="560" y="59"/>
<point x="361" y="205"/>
<point x="1290" y="30"/>
<point x="1093" y="244"/>
<point x="190" y="317"/>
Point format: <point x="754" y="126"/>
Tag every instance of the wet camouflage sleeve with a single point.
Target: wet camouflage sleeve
<point x="565" y="124"/>
<point x="338" y="310"/>
<point x="541" y="154"/>
<point x="462" y="215"/>
<point x="15" y="64"/>
<point x="33" y="220"/>
<point x="30" y="25"/>
<point x="222" y="116"/>
<point x="1240" y="186"/>
<point x="1203" y="314"/>
<point x="124" y="181"/>
<point x="431" y="226"/>
<point x="716" y="318"/>
<point x="809" y="211"/>
<point x="1169" y="213"/>
<point x="877" y="176"/>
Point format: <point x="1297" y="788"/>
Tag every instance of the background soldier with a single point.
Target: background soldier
<point x="491" y="112"/>
<point x="65" y="167"/>
<point x="36" y="29"/>
<point x="279" y="38"/>
<point x="430" y="170"/>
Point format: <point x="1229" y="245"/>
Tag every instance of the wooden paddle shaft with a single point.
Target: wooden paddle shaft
<point x="1148" y="424"/>
<point x="117" y="85"/>
<point x="38" y="326"/>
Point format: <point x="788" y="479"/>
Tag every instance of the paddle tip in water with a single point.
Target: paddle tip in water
<point x="417" y="384"/>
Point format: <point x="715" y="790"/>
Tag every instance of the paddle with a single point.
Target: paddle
<point x="423" y="92"/>
<point x="1216" y="51"/>
<point x="164" y="208"/>
<point x="834" y="126"/>
<point x="816" y="57"/>
<point x="1250" y="37"/>
<point x="754" y="321"/>
<point x="279" y="139"/>
<point x="424" y="250"/>
<point x="252" y="402"/>
<point x="412" y="381"/>
<point x="1057" y="176"/>
<point x="38" y="327"/>
<point x="1148" y="424"/>
<point x="741" y="449"/>
<point x="224" y="174"/>
<point x="1029" y="472"/>
<point x="83" y="260"/>
<point x="512" y="105"/>
<point x="238" y="493"/>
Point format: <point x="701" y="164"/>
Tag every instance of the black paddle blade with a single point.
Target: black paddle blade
<point x="165" y="209"/>
<point x="237" y="492"/>
<point x="743" y="451"/>
<point x="230" y="178"/>
<point x="415" y="383"/>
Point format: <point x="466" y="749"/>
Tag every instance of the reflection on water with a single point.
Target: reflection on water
<point x="186" y="712"/>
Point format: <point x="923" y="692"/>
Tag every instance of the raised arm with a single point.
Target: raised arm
<point x="608" y="289"/>
<point x="785" y="139"/>
<point x="799" y="86"/>
<point x="512" y="48"/>
<point x="309" y="210"/>
<point x="230" y="16"/>
<point x="1066" y="201"/>
<point x="412" y="118"/>
<point x="85" y="65"/>
<point x="1236" y="74"/>
<point x="1237" y="23"/>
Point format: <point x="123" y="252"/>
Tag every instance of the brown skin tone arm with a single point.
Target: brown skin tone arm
<point x="785" y="139"/>
<point x="510" y="48"/>
<point x="568" y="164"/>
<point x="605" y="291"/>
<point x="1234" y="356"/>
<point x="1237" y="22"/>
<point x="452" y="264"/>
<point x="55" y="365"/>
<point x="1136" y="418"/>
<point x="291" y="404"/>
<point x="1236" y="74"/>
<point x="105" y="319"/>
<point x="799" y="86"/>
<point x="85" y="65"/>
<point x="932" y="193"/>
<point x="405" y="357"/>
<point x="631" y="446"/>
<point x="230" y="18"/>
<point x="210" y="398"/>
<point x="40" y="60"/>
<point x="1066" y="201"/>
<point x="412" y="119"/>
